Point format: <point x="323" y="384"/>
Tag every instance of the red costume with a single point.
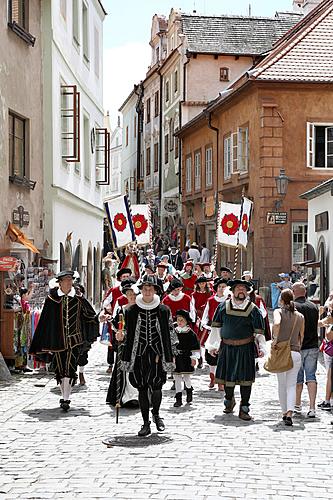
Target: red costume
<point x="112" y="296"/>
<point x="188" y="282"/>
<point x="200" y="300"/>
<point x="182" y="301"/>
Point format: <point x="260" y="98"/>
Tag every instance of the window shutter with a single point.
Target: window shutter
<point x="102" y="156"/>
<point x="234" y="153"/>
<point x="70" y="123"/>
<point x="329" y="147"/>
<point x="310" y="147"/>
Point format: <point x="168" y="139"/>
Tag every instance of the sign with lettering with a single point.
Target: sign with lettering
<point x="8" y="264"/>
<point x="170" y="205"/>
<point x="276" y="217"/>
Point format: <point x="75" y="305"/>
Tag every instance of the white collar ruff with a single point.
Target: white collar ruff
<point x="148" y="306"/>
<point x="182" y="329"/>
<point x="219" y="299"/>
<point x="241" y="306"/>
<point x="70" y="294"/>
<point x="175" y="298"/>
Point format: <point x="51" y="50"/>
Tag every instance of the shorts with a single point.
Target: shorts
<point x="308" y="366"/>
<point x="327" y="361"/>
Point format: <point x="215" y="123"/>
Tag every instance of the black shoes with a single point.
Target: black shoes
<point x="178" y="400"/>
<point x="288" y="421"/>
<point x="145" y="429"/>
<point x="189" y="395"/>
<point x="64" y="404"/>
<point x="159" y="423"/>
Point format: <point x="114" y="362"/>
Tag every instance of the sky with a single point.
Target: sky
<point x="127" y="33"/>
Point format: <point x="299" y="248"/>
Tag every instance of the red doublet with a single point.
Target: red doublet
<point x="116" y="294"/>
<point x="200" y="301"/>
<point x="175" y="305"/>
<point x="122" y="301"/>
<point x="212" y="306"/>
<point x="188" y="283"/>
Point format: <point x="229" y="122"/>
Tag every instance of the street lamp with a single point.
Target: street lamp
<point x="281" y="186"/>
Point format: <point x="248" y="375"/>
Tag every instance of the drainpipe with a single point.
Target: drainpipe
<point x="139" y="91"/>
<point x="208" y="115"/>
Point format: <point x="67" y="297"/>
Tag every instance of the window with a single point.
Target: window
<point x="299" y="241"/>
<point x="85" y="32"/>
<point x="175" y="81"/>
<point x="134" y="127"/>
<point x="96" y="55"/>
<point x="209" y="167"/>
<point x="188" y="174"/>
<point x="86" y="147"/>
<point x="172" y="131"/>
<point x="102" y="156"/>
<point x="156" y="157"/>
<point x="243" y="149"/>
<point x="319" y="145"/>
<point x="167" y="96"/>
<point x="157" y="54"/>
<point x="17" y="162"/>
<point x="148" y="111"/>
<point x="70" y="123"/>
<point x="18" y="20"/>
<point x="176" y="144"/>
<point x="227" y="157"/>
<point x="156" y="104"/>
<point x="197" y="170"/>
<point x="63" y="8"/>
<point x="224" y="74"/>
<point x="126" y="136"/>
<point x="166" y="149"/>
<point x="75" y="17"/>
<point x="148" y="161"/>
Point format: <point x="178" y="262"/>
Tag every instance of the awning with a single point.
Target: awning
<point x="17" y="236"/>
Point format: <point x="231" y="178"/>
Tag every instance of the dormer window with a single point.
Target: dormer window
<point x="224" y="74"/>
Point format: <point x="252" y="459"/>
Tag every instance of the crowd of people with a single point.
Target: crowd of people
<point x="167" y="317"/>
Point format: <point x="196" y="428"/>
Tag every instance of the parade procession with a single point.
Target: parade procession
<point x="166" y="262"/>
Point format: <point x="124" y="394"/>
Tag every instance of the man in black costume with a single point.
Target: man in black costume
<point x="67" y="326"/>
<point x="149" y="350"/>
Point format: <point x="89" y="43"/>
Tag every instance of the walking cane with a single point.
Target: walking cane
<point x="120" y="328"/>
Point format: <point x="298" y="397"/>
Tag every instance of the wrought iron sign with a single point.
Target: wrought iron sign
<point x="20" y="217"/>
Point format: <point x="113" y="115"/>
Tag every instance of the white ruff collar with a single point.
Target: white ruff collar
<point x="176" y="298"/>
<point x="70" y="294"/>
<point x="219" y="299"/>
<point x="182" y="329"/>
<point x="148" y="306"/>
<point x="241" y="306"/>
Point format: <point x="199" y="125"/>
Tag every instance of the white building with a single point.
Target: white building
<point x="75" y="141"/>
<point x="113" y="189"/>
<point x="129" y="155"/>
<point x="320" y="237"/>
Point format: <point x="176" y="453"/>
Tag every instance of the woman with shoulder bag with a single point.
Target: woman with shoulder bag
<point x="288" y="325"/>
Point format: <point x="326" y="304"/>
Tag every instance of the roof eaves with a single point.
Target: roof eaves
<point x="126" y="100"/>
<point x="323" y="188"/>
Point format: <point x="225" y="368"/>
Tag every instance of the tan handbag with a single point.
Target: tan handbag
<point x="280" y="359"/>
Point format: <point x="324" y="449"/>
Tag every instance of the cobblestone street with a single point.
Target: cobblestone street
<point x="203" y="454"/>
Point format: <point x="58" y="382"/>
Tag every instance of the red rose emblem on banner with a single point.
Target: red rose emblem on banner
<point x="120" y="222"/>
<point x="140" y="224"/>
<point x="230" y="224"/>
<point x="245" y="223"/>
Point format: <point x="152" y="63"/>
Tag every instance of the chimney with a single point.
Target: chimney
<point x="305" y="6"/>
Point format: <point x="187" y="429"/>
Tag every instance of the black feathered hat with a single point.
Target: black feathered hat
<point x="123" y="270"/>
<point x="233" y="283"/>
<point x="175" y="283"/>
<point x="150" y="280"/>
<point x="184" y="314"/>
<point x="218" y="282"/>
<point x="62" y="274"/>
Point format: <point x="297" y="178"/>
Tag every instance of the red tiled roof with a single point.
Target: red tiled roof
<point x="306" y="54"/>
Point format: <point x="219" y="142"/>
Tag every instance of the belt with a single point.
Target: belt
<point x="238" y="342"/>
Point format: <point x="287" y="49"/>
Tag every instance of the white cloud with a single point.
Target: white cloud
<point x="124" y="66"/>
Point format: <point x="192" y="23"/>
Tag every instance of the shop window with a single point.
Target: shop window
<point x="299" y="240"/>
<point x="319" y="145"/>
<point x="209" y="167"/>
<point x="103" y="155"/>
<point x="70" y="123"/>
<point x="197" y="170"/>
<point x="188" y="173"/>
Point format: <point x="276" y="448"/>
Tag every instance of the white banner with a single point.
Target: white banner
<point x="245" y="218"/>
<point x="228" y="224"/>
<point x="141" y="219"/>
<point x="120" y="221"/>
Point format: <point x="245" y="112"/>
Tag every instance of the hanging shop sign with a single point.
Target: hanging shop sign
<point x="276" y="217"/>
<point x="8" y="264"/>
<point x="20" y="217"/>
<point x="170" y="205"/>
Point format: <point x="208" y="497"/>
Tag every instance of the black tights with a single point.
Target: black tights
<point x="245" y="391"/>
<point x="156" y="399"/>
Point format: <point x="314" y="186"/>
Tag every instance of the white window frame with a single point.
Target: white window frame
<point x="294" y="256"/>
<point x="311" y="144"/>
<point x="197" y="170"/>
<point x="243" y="149"/>
<point x="227" y="156"/>
<point x="209" y="166"/>
<point x="188" y="174"/>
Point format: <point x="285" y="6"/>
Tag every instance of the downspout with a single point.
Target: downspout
<point x="216" y="129"/>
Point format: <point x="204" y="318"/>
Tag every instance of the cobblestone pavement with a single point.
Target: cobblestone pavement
<point x="203" y="454"/>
